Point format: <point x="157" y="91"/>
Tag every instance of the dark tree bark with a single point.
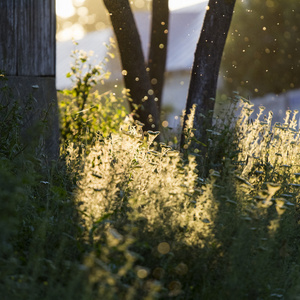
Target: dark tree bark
<point x="205" y="70"/>
<point x="136" y="77"/>
<point x="158" y="47"/>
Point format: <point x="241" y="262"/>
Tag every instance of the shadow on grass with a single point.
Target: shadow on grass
<point x="40" y="247"/>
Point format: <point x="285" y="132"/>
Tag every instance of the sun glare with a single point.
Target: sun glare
<point x="75" y="31"/>
<point x="65" y="8"/>
<point x="178" y="4"/>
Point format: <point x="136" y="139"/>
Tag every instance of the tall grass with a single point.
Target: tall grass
<point x="125" y="217"/>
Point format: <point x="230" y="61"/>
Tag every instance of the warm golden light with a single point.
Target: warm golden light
<point x="65" y="8"/>
<point x="76" y="31"/>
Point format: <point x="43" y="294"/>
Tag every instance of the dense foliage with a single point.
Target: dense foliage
<point x="125" y="217"/>
<point x="85" y="112"/>
<point x="262" y="51"/>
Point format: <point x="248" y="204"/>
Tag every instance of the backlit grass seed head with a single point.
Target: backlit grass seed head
<point x="146" y="186"/>
<point x="275" y="145"/>
<point x="272" y="188"/>
<point x="189" y="124"/>
<point x="151" y="136"/>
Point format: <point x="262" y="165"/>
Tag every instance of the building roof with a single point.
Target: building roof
<point x="184" y="31"/>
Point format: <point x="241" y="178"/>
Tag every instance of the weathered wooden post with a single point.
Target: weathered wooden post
<point x="27" y="57"/>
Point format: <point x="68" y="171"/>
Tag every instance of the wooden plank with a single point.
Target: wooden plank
<point x="30" y="27"/>
<point x="8" y="37"/>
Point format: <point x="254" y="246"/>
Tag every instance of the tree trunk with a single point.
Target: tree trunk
<point x="158" y="47"/>
<point x="134" y="71"/>
<point x="203" y="84"/>
<point x="27" y="58"/>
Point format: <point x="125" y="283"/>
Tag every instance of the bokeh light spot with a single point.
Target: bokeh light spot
<point x="165" y="123"/>
<point x="142" y="273"/>
<point x="163" y="248"/>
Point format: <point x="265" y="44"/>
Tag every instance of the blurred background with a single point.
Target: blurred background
<point x="261" y="59"/>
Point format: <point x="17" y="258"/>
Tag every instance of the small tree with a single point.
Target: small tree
<point x="206" y="64"/>
<point x="142" y="81"/>
<point x="203" y="84"/>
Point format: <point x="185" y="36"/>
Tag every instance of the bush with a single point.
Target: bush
<point x="230" y="235"/>
<point x="125" y="217"/>
<point x="84" y="112"/>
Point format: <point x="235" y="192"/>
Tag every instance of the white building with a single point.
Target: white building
<point x="184" y="30"/>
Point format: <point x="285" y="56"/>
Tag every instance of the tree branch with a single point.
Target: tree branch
<point x="206" y="67"/>
<point x="134" y="71"/>
<point x="158" y="47"/>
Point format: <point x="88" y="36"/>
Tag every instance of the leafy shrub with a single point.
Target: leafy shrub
<point x="85" y="112"/>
